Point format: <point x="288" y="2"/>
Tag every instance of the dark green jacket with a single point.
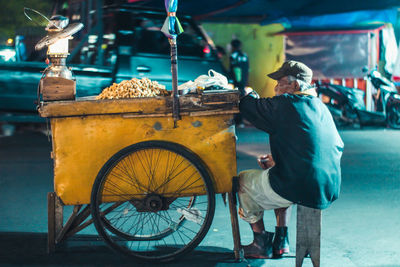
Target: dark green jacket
<point x="305" y="145"/>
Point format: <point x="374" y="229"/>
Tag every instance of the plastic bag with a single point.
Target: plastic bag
<point x="203" y="81"/>
<point x="190" y="85"/>
<point x="191" y="214"/>
<point x="212" y="79"/>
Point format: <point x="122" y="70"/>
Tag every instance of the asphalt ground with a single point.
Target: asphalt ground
<point x="362" y="228"/>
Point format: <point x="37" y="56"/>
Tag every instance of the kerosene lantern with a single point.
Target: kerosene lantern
<point x="58" y="82"/>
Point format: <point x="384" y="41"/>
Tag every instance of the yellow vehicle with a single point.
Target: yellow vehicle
<point x="149" y="185"/>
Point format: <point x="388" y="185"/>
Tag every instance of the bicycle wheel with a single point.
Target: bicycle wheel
<point x="153" y="200"/>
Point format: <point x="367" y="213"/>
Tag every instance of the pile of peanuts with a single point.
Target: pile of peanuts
<point x="133" y="88"/>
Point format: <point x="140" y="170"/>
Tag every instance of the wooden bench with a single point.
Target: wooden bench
<point x="308" y="240"/>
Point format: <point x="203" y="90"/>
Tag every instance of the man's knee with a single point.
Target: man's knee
<point x="245" y="178"/>
<point x="241" y="181"/>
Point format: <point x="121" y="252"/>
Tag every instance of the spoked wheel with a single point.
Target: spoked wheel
<point x="153" y="200"/>
<point x="393" y="116"/>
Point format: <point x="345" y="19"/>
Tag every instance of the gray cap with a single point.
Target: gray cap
<point x="293" y="68"/>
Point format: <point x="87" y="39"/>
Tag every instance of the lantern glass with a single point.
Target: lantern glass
<point x="59" y="47"/>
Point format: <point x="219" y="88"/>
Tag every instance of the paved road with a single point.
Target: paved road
<point x="362" y="228"/>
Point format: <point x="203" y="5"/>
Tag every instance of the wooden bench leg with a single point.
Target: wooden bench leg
<point x="235" y="227"/>
<point x="308" y="241"/>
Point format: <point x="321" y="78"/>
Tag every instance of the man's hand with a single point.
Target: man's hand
<point x="265" y="161"/>
<point x="250" y="91"/>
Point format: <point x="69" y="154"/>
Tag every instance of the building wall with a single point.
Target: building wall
<point x="264" y="49"/>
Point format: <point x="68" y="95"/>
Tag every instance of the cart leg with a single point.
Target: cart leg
<point x="235" y="227"/>
<point x="54" y="219"/>
<point x="51" y="236"/>
<point x="59" y="214"/>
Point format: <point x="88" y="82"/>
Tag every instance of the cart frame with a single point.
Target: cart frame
<point x="200" y="105"/>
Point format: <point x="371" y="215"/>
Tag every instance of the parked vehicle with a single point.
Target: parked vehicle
<point x="348" y="107"/>
<point x="126" y="43"/>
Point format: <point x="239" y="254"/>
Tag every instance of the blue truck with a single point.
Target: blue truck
<point x="127" y="43"/>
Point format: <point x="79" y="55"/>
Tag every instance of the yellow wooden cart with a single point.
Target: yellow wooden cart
<point x="149" y="185"/>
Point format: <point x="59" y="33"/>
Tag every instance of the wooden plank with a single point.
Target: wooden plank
<point x="54" y="220"/>
<point x="79" y="225"/>
<point x="58" y="215"/>
<point x="51" y="243"/>
<point x="235" y="228"/>
<point x="57" y="88"/>
<point x="238" y="251"/>
<point x="78" y="228"/>
<point x="185" y="113"/>
<point x="88" y="107"/>
<point x="81" y="217"/>
<point x="61" y="234"/>
<point x="308" y="240"/>
<point x="140" y="106"/>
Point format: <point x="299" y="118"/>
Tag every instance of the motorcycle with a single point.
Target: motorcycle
<point x="347" y="104"/>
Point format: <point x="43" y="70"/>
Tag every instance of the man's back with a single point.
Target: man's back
<point x="305" y="145"/>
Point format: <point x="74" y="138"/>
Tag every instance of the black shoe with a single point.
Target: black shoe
<point x="261" y="248"/>
<point x="280" y="244"/>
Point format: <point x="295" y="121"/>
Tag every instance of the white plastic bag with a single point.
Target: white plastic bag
<point x="190" y="85"/>
<point x="191" y="214"/>
<point x="203" y="81"/>
<point x="212" y="79"/>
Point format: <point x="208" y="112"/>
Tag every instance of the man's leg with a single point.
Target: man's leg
<point x="280" y="243"/>
<point x="283" y="216"/>
<point x="261" y="247"/>
<point x="252" y="212"/>
<point x="258" y="227"/>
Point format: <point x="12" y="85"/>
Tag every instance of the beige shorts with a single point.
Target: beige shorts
<point x="256" y="195"/>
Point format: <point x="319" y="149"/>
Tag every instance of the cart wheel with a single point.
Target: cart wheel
<point x="153" y="200"/>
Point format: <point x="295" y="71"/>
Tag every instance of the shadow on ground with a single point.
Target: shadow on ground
<point x="19" y="248"/>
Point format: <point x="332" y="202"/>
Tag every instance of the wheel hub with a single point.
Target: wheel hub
<point x="153" y="203"/>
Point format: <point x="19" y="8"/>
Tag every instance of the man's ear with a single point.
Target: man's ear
<point x="296" y="86"/>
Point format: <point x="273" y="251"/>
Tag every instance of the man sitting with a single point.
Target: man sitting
<point x="304" y="167"/>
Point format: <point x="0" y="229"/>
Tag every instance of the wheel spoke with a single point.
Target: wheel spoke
<point x="180" y="189"/>
<point x="169" y="178"/>
<point x="143" y="167"/>
<point x="148" y="163"/>
<point x="183" y="241"/>
<point x="137" y="186"/>
<point x="116" y="213"/>
<point x="152" y="186"/>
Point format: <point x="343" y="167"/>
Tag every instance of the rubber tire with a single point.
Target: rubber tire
<point x="353" y="115"/>
<point x="395" y="108"/>
<point x="178" y="149"/>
